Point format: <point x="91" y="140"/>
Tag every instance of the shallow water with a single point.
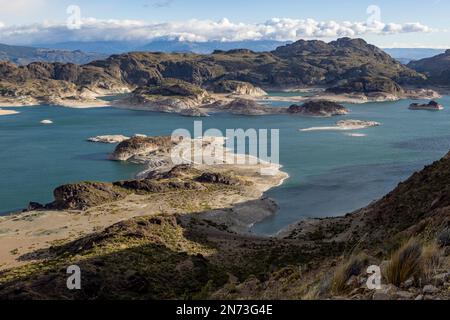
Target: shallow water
<point x="331" y="173"/>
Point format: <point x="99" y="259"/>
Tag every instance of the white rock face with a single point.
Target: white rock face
<point x="46" y="121"/>
<point x="112" y="139"/>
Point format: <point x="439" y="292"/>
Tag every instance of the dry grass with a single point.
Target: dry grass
<point x="405" y="263"/>
<point x="345" y="271"/>
<point x="431" y="260"/>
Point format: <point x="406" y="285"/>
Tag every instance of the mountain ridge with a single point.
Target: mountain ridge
<point x="296" y="65"/>
<point x="23" y="55"/>
<point x="437" y="68"/>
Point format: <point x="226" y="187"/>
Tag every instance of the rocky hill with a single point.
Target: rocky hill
<point x="303" y="63"/>
<point x="437" y="68"/>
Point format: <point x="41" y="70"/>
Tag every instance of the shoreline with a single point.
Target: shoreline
<point x="318" y="93"/>
<point x="237" y="207"/>
<point x="8" y="112"/>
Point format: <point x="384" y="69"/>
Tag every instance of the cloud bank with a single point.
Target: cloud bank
<point x="282" y="29"/>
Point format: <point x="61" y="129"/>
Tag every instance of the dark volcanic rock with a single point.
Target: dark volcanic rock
<point x="152" y="186"/>
<point x="320" y="108"/>
<point x="82" y="196"/>
<point x="220" y="178"/>
<point x="33" y="206"/>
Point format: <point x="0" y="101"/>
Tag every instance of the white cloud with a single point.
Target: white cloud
<point x="201" y="30"/>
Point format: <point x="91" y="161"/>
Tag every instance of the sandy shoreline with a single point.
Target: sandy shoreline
<point x="23" y="233"/>
<point x="94" y="100"/>
<point x="7" y="112"/>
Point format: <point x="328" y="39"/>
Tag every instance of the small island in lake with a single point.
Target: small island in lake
<point x="319" y="108"/>
<point x="346" y="125"/>
<point x="432" y="105"/>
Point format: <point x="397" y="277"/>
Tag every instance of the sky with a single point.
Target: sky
<point x="398" y="23"/>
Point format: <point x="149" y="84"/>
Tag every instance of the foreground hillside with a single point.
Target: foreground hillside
<point x="167" y="244"/>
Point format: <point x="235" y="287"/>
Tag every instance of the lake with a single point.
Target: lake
<point x="331" y="172"/>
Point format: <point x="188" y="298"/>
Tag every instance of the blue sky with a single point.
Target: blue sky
<point x="432" y="14"/>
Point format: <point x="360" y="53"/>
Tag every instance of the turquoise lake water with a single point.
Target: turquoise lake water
<point x="331" y="173"/>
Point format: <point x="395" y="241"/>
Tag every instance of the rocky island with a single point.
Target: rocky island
<point x="318" y="108"/>
<point x="431" y="106"/>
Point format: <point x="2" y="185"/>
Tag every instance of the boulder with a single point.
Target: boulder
<point x="430" y="289"/>
<point x="387" y="292"/>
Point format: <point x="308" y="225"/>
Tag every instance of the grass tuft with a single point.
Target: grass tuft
<point x="405" y="263"/>
<point x="343" y="273"/>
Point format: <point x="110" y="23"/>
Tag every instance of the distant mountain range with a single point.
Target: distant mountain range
<point x="164" y="45"/>
<point x="406" y="55"/>
<point x="24" y="55"/>
<point x="85" y="52"/>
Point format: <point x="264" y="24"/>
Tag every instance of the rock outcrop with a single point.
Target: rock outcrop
<point x="369" y="86"/>
<point x="320" y="108"/>
<point x="237" y="88"/>
<point x="432" y="106"/>
<point x="171" y="96"/>
<point x="112" y="139"/>
<point x="244" y="107"/>
<point x="82" y="196"/>
<point x="137" y="146"/>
